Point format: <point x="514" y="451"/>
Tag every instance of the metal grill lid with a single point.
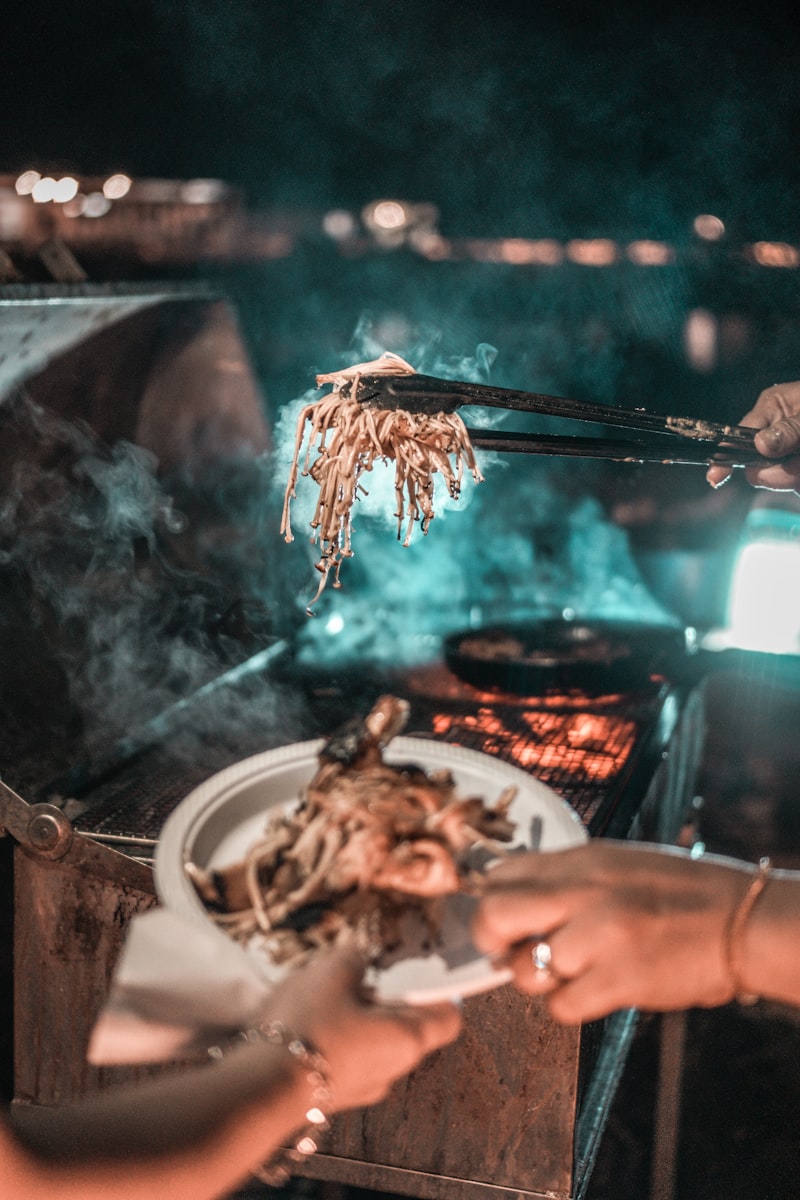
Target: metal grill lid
<point x="40" y="322"/>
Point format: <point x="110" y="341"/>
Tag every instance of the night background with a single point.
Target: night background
<point x="514" y="119"/>
<point x="561" y="121"/>
<point x="538" y="123"/>
<point x="507" y="126"/>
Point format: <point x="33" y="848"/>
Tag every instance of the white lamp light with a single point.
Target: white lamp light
<point x="764" y="596"/>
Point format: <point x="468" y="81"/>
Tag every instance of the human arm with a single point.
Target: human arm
<point x="776" y="414"/>
<point x="635" y="926"/>
<point x="199" y="1133"/>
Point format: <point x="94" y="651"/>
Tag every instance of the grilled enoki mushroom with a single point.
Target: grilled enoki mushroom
<point x="368" y="842"/>
<point x="350" y="438"/>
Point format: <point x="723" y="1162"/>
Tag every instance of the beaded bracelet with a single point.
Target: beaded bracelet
<point x="736" y="925"/>
<point x="278" y="1170"/>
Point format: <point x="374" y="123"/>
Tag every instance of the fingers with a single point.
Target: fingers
<point x="716" y="476"/>
<point x="776" y="415"/>
<point x="578" y="985"/>
<point x="779" y="437"/>
<point x="430" y="1026"/>
<point x="333" y="976"/>
<point x="582" y="999"/>
<point x="513" y="915"/>
<point x="344" y="961"/>
<point x="526" y="896"/>
<point x="367" y="1045"/>
<point x="392" y="1041"/>
<point x="783" y="477"/>
<point x="533" y="966"/>
<point x="571" y="1000"/>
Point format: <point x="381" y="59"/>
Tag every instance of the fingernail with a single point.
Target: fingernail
<point x="773" y="437"/>
<point x="720" y="483"/>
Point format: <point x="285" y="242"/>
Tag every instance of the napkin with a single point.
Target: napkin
<point x="177" y="985"/>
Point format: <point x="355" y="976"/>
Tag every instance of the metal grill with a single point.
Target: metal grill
<point x="584" y="747"/>
<point x="137" y="807"/>
<point x="559" y="748"/>
<point x="580" y="745"/>
<point x="625" y="763"/>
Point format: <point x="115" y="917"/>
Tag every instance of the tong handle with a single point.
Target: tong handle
<point x="426" y="393"/>
<point x="672" y="452"/>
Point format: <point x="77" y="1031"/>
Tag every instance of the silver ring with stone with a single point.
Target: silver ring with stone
<point x="541" y="957"/>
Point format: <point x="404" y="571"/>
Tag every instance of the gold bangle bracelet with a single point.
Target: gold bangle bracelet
<point x="736" y="926"/>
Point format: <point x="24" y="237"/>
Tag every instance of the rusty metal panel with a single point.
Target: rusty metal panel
<point x="69" y="928"/>
<point x="497" y="1109"/>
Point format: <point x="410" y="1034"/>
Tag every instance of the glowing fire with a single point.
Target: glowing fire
<point x="584" y="745"/>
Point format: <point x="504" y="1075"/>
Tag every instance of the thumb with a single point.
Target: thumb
<point x="779" y="439"/>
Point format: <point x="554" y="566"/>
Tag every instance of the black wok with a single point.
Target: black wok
<point x="555" y="655"/>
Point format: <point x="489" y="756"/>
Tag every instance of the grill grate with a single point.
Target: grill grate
<point x="582" y="777"/>
<point x="580" y="746"/>
<point x="138" y="807"/>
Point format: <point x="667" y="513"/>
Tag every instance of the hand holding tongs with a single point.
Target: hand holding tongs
<point x="665" y="439"/>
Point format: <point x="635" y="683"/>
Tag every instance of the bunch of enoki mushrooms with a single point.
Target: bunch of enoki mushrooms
<point x="367" y="843"/>
<point x="350" y="437"/>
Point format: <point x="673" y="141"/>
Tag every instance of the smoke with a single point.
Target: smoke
<point x="129" y="581"/>
<point x="99" y="575"/>
<point x="520" y="545"/>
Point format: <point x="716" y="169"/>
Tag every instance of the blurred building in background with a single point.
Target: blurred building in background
<point x="171" y="222"/>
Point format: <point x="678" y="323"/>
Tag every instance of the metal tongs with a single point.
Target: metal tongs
<point x="662" y="439"/>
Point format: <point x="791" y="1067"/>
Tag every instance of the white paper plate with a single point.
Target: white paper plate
<point x="221" y="819"/>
